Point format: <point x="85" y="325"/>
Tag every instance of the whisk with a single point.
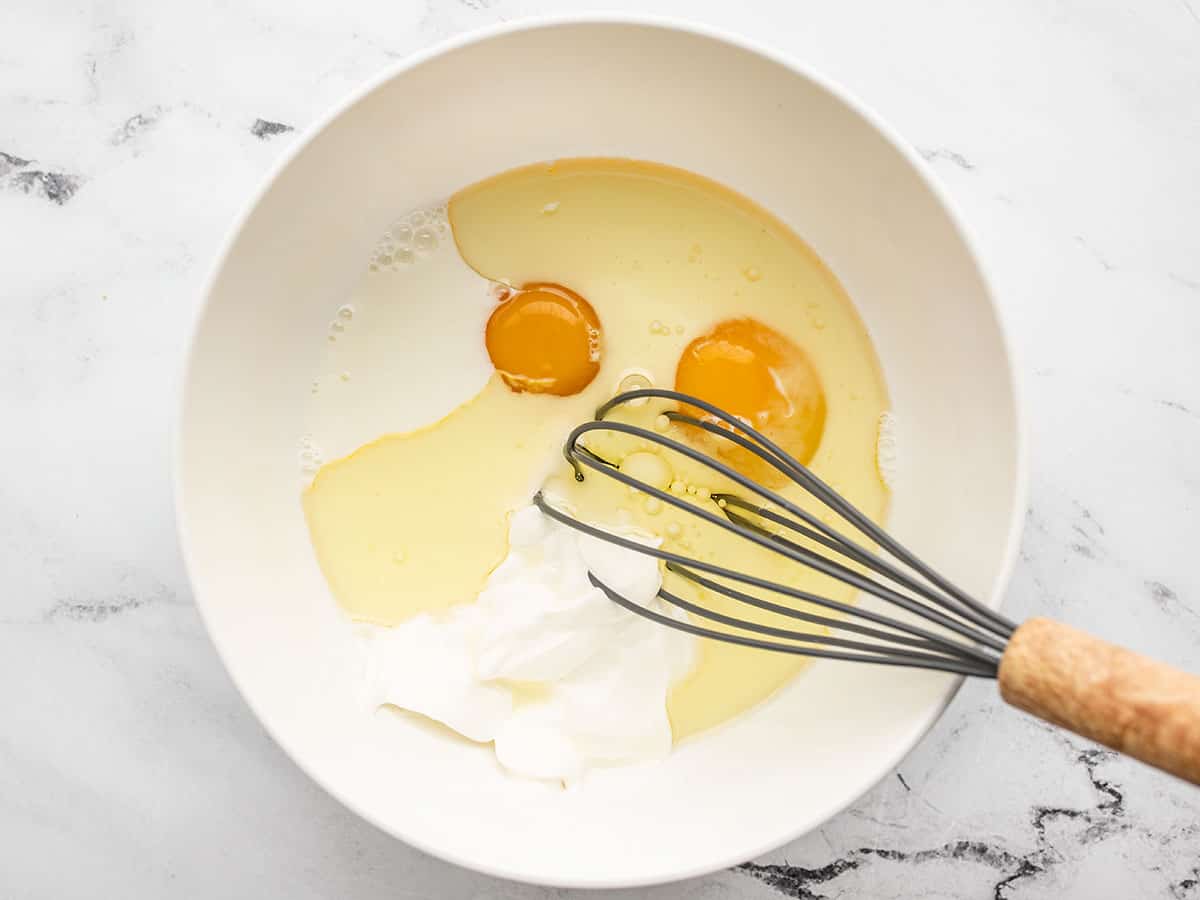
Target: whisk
<point x="1133" y="704"/>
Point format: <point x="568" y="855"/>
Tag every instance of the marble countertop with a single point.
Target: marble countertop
<point x="131" y="133"/>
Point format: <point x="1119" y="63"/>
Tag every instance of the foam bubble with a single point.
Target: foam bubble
<point x="425" y="239"/>
<point x="887" y="450"/>
<point x="310" y="456"/>
<point x="398" y="246"/>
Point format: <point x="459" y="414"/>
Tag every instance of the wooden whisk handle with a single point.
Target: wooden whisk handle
<point x="1133" y="704"/>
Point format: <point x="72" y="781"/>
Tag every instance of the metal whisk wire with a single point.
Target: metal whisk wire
<point x="977" y="637"/>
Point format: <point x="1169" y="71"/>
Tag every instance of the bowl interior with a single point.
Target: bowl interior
<point x="475" y="109"/>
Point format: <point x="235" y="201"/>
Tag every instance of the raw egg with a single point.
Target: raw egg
<point x="544" y="339"/>
<point x="626" y="273"/>
<point x="763" y="378"/>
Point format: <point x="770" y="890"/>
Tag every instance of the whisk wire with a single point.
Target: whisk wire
<point x="890" y="658"/>
<point x="793" y="552"/>
<point x="936" y="643"/>
<point x="753" y="581"/>
<point x="978" y="634"/>
<point x="957" y="600"/>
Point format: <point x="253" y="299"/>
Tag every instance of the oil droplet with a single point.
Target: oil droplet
<point x="635" y="381"/>
<point x="751" y="273"/>
<point x="550" y="208"/>
<point x="345" y="376"/>
<point x="648" y="468"/>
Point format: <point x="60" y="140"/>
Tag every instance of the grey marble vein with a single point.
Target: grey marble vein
<point x="263" y="129"/>
<point x="936" y="154"/>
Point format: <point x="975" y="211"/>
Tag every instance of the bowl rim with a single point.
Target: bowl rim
<point x="1020" y="485"/>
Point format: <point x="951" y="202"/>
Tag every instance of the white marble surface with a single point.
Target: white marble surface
<point x="130" y="133"/>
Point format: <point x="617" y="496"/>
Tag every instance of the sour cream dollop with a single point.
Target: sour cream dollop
<point x="543" y="664"/>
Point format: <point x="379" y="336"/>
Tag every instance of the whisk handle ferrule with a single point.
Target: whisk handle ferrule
<point x="1133" y="704"/>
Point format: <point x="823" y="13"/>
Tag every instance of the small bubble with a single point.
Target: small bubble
<point x="337" y="325"/>
<point x="373" y="267"/>
<point x="398" y="557"/>
<point x="403" y="233"/>
<point x="332" y="338"/>
<point x="661" y="423"/>
<point x="345" y="376"/>
<point x="404" y="256"/>
<point x="722" y="503"/>
<point x="346" y="312"/>
<point x="751" y="273"/>
<point x="441" y="228"/>
<point x="656" y="327"/>
<point x="652" y="506"/>
<point x="425" y="239"/>
<point x="673" y="530"/>
<point x="385" y="259"/>
<point x="691" y="489"/>
<point x="550" y="208"/>
<point x="679" y="329"/>
<point x="418" y="217"/>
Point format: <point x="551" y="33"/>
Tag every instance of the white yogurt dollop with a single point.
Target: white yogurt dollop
<point x="543" y="663"/>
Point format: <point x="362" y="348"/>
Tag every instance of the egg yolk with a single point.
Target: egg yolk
<point x="544" y="339"/>
<point x="761" y="377"/>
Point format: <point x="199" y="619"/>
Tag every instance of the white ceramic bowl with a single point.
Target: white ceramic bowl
<point x="472" y="108"/>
